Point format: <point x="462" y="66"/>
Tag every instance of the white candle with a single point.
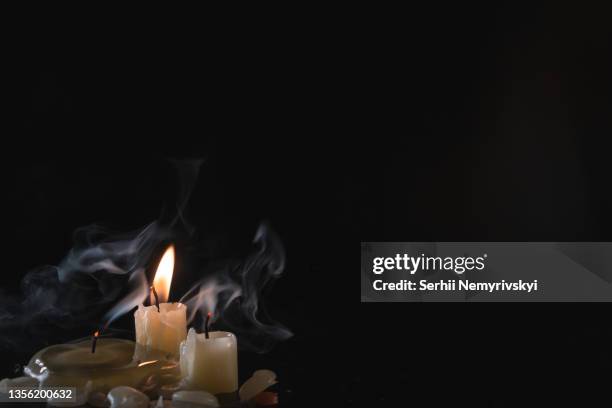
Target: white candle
<point x="210" y="364"/>
<point x="166" y="328"/>
<point x="163" y="330"/>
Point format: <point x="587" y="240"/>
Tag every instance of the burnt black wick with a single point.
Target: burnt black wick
<point x="94" y="341"/>
<point x="207" y="325"/>
<point x="155" y="296"/>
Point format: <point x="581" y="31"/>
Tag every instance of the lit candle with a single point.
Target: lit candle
<point x="162" y="326"/>
<point x="209" y="361"/>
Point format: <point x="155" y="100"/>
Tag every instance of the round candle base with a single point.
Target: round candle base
<point x="116" y="362"/>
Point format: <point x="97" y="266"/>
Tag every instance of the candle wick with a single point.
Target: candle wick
<point x="156" y="298"/>
<point x="207" y="325"/>
<point x="94" y="341"/>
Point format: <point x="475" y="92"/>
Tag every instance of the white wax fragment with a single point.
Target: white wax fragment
<point x="187" y="351"/>
<point x="259" y="382"/>
<point x="194" y="399"/>
<point x="127" y="397"/>
<point x="19" y="382"/>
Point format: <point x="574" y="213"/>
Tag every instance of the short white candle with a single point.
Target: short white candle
<point x="165" y="329"/>
<point x="210" y="364"/>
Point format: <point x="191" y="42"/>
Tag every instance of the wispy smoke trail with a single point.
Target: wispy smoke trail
<point x="104" y="275"/>
<point x="95" y="275"/>
<point x="188" y="172"/>
<point x="233" y="295"/>
<point x="119" y="254"/>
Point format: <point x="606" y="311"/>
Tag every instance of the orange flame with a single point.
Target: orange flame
<point x="97" y="333"/>
<point x="163" y="276"/>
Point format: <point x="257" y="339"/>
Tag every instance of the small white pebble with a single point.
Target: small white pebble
<point x="127" y="397"/>
<point x="200" y="399"/>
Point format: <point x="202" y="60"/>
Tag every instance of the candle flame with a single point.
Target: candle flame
<point x="163" y="276"/>
<point x="97" y="333"/>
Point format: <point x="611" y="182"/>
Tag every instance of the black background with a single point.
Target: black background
<point x="462" y="125"/>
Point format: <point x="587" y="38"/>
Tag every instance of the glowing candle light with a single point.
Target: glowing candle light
<point x="162" y="326"/>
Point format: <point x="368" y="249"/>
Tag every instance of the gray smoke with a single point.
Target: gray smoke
<point x="120" y="255"/>
<point x="233" y="295"/>
<point x="89" y="282"/>
<point x="103" y="277"/>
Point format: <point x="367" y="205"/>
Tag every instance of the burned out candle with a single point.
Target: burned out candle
<point x="210" y="364"/>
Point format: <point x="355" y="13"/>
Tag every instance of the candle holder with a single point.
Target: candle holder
<point x="116" y="362"/>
